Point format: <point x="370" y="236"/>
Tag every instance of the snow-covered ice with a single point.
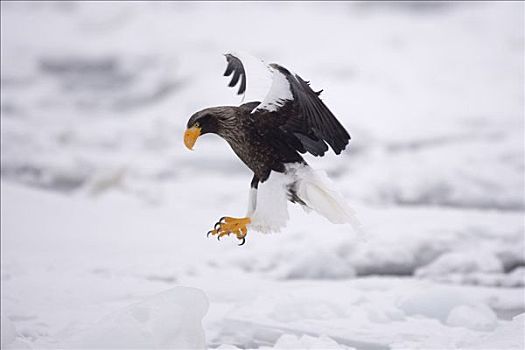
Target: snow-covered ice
<point x="171" y="319"/>
<point x="10" y="338"/>
<point x="476" y="317"/>
<point x="504" y="337"/>
<point x="104" y="213"/>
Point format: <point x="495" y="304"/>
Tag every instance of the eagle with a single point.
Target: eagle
<point x="270" y="132"/>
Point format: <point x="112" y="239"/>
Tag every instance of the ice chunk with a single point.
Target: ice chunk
<point x="476" y="317"/>
<point x="9" y="337"/>
<point x="228" y="347"/>
<point x="171" y="319"/>
<point x="318" y="264"/>
<point x="8" y="331"/>
<point x="432" y="302"/>
<point x="290" y="341"/>
<point x="516" y="278"/>
<point x="461" y="262"/>
<point x="508" y="336"/>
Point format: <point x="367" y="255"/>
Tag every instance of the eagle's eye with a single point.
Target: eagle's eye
<point x="197" y="125"/>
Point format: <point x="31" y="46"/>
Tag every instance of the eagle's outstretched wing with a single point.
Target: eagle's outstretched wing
<point x="293" y="106"/>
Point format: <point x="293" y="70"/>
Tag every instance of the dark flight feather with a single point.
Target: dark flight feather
<point x="235" y="66"/>
<point x="313" y="115"/>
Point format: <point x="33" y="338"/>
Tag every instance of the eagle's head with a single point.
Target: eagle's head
<point x="210" y="120"/>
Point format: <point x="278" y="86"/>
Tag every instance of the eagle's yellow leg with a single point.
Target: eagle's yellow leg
<point x="228" y="225"/>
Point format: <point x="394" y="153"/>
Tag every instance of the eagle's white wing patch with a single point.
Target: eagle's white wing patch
<point x="278" y="94"/>
<point x="258" y="77"/>
<point x="264" y="83"/>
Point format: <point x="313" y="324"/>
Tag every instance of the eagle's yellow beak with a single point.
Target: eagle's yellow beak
<point x="191" y="135"/>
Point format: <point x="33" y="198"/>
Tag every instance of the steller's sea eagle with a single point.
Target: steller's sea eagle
<point x="269" y="134"/>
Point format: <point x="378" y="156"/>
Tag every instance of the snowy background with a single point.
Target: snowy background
<point x="104" y="213"/>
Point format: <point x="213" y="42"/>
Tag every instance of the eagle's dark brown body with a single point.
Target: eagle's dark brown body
<point x="266" y="139"/>
<point x="258" y="141"/>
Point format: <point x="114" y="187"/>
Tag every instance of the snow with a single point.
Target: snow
<point x="171" y="319"/>
<point x="104" y="213"/>
<point x="461" y="262"/>
<point x="8" y="331"/>
<point x="506" y="336"/>
<point x="10" y="338"/>
<point x="476" y="317"/>
<point x="290" y="341"/>
<point x="436" y="303"/>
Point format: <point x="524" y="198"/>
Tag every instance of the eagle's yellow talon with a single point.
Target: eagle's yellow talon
<point x="241" y="232"/>
<point x="228" y="225"/>
<point x="224" y="233"/>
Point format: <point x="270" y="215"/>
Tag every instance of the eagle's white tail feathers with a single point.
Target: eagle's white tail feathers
<point x="319" y="193"/>
<point x="268" y="204"/>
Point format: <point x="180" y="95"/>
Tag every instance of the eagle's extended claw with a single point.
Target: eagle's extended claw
<point x="228" y="225"/>
<point x="219" y="223"/>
